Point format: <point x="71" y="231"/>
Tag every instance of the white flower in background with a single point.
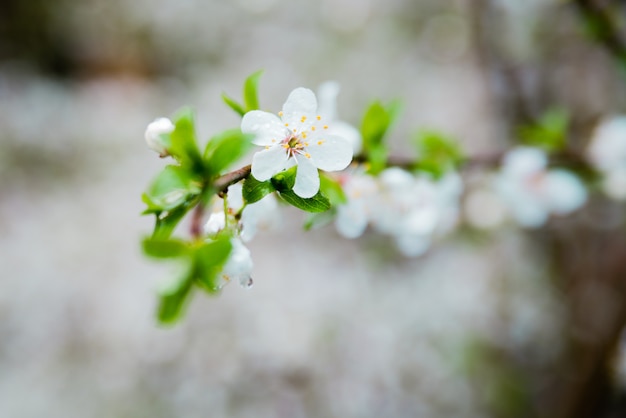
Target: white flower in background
<point x="607" y="152"/>
<point x="414" y="209"/>
<point x="297" y="136"/>
<point x="484" y="208"/>
<point x="532" y="192"/>
<point x="327" y="93"/>
<point x="153" y="134"/>
<point x="353" y="216"/>
<point x="239" y="265"/>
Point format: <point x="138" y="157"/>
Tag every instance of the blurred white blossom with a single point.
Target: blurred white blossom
<point x="410" y="208"/>
<point x="607" y="152"/>
<point x="532" y="191"/>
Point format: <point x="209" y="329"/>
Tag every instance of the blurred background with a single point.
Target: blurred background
<point x="504" y="324"/>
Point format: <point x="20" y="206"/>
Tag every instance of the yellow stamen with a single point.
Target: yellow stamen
<point x="312" y="128"/>
<point x="306" y="144"/>
<point x="303" y="119"/>
<point x="286" y="124"/>
<point x="303" y="135"/>
<point x="267" y="147"/>
<point x="320" y="142"/>
<point x="280" y="113"/>
<point x="307" y="155"/>
<point x="325" y="126"/>
<point x="319" y="117"/>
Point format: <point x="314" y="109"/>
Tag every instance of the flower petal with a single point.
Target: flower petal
<point x="268" y="162"/>
<point x="351" y="220"/>
<point x="301" y="102"/>
<point x="330" y="153"/>
<point x="307" y="178"/>
<point x="265" y="126"/>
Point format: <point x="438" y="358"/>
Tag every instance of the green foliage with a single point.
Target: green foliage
<point x="376" y="123"/>
<point x="209" y="258"/>
<point x="549" y="133"/>
<point x="233" y="104"/>
<point x="224" y="149"/>
<point x="171" y="188"/>
<point x="250" y="91"/>
<point x="283" y="183"/>
<point x="184" y="144"/>
<point x="250" y="95"/>
<point x="158" y="247"/>
<point x="173" y="300"/>
<point x="254" y="190"/>
<point x="331" y="188"/>
<point x="437" y="153"/>
<point x="204" y="261"/>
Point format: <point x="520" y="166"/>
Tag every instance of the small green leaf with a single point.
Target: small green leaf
<point x="375" y="126"/>
<point x="332" y="189"/>
<point x="233" y="105"/>
<point x="172" y="186"/>
<point x="164" y="247"/>
<point x="250" y="91"/>
<point x="254" y="190"/>
<point x="284" y="180"/>
<point x="165" y="224"/>
<point x="210" y="257"/>
<point x="317" y="203"/>
<point x="224" y="149"/>
<point x="437" y="153"/>
<point x="549" y="133"/>
<point x="173" y="301"/>
<point x="184" y="144"/>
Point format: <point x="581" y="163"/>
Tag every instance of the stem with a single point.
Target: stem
<point x="222" y="183"/>
<point x="196" y="221"/>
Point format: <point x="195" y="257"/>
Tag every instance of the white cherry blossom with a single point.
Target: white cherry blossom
<point x="153" y="134"/>
<point x="327" y="93"/>
<point x="532" y="192"/>
<point x="297" y="136"/>
<point x="607" y="152"/>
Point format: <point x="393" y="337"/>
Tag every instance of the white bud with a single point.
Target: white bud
<point x="153" y="135"/>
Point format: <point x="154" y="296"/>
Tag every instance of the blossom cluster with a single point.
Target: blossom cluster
<point x="413" y="203"/>
<point x="410" y="208"/>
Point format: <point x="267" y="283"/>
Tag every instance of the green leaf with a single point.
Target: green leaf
<point x="331" y="188"/>
<point x="254" y="190"/>
<point x="184" y="144"/>
<point x="172" y="187"/>
<point x="210" y="257"/>
<point x="250" y="91"/>
<point x="172" y="301"/>
<point x="233" y="105"/>
<point x="375" y="126"/>
<point x="283" y="183"/>
<point x="164" y="247"/>
<point x="437" y="153"/>
<point x="549" y="133"/>
<point x="224" y="149"/>
<point x="165" y="224"/>
<point x="317" y="203"/>
<point x="284" y="180"/>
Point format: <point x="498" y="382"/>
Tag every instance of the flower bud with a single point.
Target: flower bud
<point x="154" y="133"/>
